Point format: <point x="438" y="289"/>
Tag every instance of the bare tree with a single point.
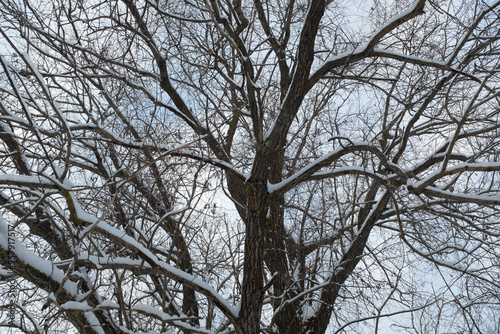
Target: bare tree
<point x="284" y="166"/>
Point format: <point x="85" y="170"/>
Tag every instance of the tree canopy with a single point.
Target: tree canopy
<point x="282" y="166"/>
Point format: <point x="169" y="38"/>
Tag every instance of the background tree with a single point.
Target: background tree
<point x="284" y="166"/>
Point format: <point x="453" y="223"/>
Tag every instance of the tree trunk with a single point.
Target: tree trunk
<point x="251" y="302"/>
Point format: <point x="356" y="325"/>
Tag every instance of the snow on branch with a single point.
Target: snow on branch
<point x="24" y="262"/>
<point x="454" y="197"/>
<point x="181" y="276"/>
<point x="308" y="172"/>
<point x="366" y="49"/>
<point x="463" y="167"/>
<point x="45" y="269"/>
<point x="39" y="181"/>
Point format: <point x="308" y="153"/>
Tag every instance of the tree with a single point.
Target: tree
<point x="280" y="166"/>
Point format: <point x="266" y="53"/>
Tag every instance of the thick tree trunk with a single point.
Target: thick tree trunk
<point x="252" y="294"/>
<point x="276" y="254"/>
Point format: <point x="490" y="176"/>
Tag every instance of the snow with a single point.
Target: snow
<point x="179" y="274"/>
<point x="309" y="311"/>
<point x="411" y="58"/>
<point x="26" y="180"/>
<point x="228" y="165"/>
<point x="5" y="128"/>
<point x="493" y="199"/>
<point x="397" y="17"/>
<point x="346" y="169"/>
<point x="272" y="187"/>
<point x="205" y="286"/>
<point x="192" y="328"/>
<point x="108" y="304"/>
<point x="364" y="46"/>
<point x="154" y="311"/>
<point x="237" y="308"/>
<point x="100" y="261"/>
<point x="333" y="59"/>
<point x="31" y="259"/>
<point x="372" y="212"/>
<point x="94" y="322"/>
<point x="436" y="174"/>
<point x="360" y="48"/>
<point x="13" y="119"/>
<point x="4" y="272"/>
<point x="77" y="306"/>
<point x="59" y="172"/>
